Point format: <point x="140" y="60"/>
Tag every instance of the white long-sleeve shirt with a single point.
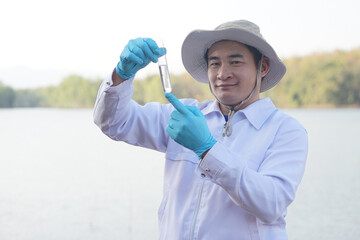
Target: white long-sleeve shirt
<point x="239" y="190"/>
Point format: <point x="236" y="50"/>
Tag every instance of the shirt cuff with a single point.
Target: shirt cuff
<point x="108" y="82"/>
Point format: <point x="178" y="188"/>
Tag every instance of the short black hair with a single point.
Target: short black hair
<point x="256" y="54"/>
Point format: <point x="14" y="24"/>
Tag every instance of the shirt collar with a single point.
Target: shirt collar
<point x="212" y="107"/>
<point x="258" y="112"/>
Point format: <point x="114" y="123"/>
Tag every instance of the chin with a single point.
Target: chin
<point x="229" y="101"/>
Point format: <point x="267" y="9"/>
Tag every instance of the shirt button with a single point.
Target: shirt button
<point x="207" y="170"/>
<point x="202" y="175"/>
<point x="107" y="83"/>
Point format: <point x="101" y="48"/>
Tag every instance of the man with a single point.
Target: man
<point x="232" y="165"/>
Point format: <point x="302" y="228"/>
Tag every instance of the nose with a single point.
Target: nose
<point x="224" y="72"/>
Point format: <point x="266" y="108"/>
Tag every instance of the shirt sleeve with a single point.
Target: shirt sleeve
<point x="265" y="193"/>
<point x="122" y="119"/>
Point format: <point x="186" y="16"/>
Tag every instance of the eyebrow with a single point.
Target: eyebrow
<point x="236" y="55"/>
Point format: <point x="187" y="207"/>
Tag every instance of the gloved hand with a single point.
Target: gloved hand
<point x="188" y="127"/>
<point x="137" y="54"/>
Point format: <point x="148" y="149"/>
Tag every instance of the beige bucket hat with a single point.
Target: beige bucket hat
<point x="198" y="42"/>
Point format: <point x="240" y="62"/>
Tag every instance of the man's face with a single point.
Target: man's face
<point x="232" y="72"/>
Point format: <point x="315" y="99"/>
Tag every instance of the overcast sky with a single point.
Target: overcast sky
<point x="43" y="41"/>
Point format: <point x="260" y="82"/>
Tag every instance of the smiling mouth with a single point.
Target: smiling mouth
<point x="225" y="85"/>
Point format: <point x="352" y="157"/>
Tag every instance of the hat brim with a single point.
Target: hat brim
<point x="198" y="42"/>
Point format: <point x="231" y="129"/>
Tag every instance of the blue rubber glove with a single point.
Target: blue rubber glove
<point x="137" y="54"/>
<point x="188" y="127"/>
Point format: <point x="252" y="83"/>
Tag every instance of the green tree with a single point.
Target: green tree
<point x="27" y="98"/>
<point x="7" y="96"/>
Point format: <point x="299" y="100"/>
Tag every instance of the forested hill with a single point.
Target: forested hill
<point x="318" y="80"/>
<point x="326" y="79"/>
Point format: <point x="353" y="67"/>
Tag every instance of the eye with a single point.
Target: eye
<point x="214" y="64"/>
<point x="235" y="62"/>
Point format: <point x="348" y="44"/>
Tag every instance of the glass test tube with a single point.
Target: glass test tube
<point x="164" y="71"/>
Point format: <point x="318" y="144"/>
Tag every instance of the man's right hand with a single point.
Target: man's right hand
<point x="137" y="54"/>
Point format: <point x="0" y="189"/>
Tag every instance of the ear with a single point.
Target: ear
<point x="265" y="66"/>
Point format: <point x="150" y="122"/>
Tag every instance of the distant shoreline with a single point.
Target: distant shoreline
<point x="314" y="106"/>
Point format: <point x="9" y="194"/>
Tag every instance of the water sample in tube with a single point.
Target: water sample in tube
<point x="164" y="71"/>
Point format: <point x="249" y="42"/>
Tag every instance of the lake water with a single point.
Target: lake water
<point x="61" y="178"/>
